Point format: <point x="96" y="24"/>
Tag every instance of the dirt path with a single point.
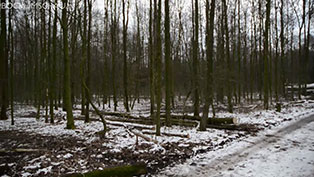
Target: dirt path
<point x="226" y="162"/>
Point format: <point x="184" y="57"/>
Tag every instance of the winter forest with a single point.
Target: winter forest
<point x="157" y="88"/>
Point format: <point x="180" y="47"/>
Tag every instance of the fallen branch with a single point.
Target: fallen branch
<point x="241" y="127"/>
<point x="220" y="121"/>
<point x="119" y="123"/>
<point x="90" y="101"/>
<point x="168" y="134"/>
<point x="144" y="137"/>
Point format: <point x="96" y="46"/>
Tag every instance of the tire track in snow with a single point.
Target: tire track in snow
<point x="228" y="162"/>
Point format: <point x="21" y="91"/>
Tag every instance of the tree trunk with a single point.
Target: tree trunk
<point x="151" y="61"/>
<point x="54" y="63"/>
<point x="209" y="54"/>
<point x="282" y="55"/>
<point x="158" y="67"/>
<point x="266" y="55"/>
<point x="114" y="52"/>
<point x="167" y="62"/>
<point x="3" y="64"/>
<point x="229" y="74"/>
<point x="196" y="62"/>
<point x="67" y="68"/>
<point x="11" y="46"/>
<point x="125" y="66"/>
<point x="239" y="53"/>
<point x="276" y="55"/>
<point x="88" y="69"/>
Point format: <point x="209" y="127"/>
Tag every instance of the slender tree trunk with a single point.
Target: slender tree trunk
<point x="245" y="83"/>
<point x="113" y="53"/>
<point x="138" y="56"/>
<point x="167" y="62"/>
<point x="67" y="68"/>
<point x="54" y="63"/>
<point x="106" y="72"/>
<point x="239" y="53"/>
<point x="307" y="44"/>
<point x="253" y="46"/>
<point x="11" y="46"/>
<point x="158" y="67"/>
<point x="43" y="85"/>
<point x="88" y="69"/>
<point x="282" y="55"/>
<point x="276" y="55"/>
<point x="229" y="87"/>
<point x="125" y="66"/>
<point x="83" y="65"/>
<point x="209" y="56"/>
<point x="49" y="66"/>
<point x="151" y="62"/>
<point x="196" y="62"/>
<point x="266" y="55"/>
<point x="3" y="62"/>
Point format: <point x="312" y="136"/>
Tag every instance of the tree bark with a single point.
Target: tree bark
<point x="125" y="65"/>
<point x="229" y="74"/>
<point x="195" y="61"/>
<point x="167" y="62"/>
<point x="209" y="55"/>
<point x="266" y="61"/>
<point x="158" y="66"/>
<point x="3" y="64"/>
<point x="67" y="68"/>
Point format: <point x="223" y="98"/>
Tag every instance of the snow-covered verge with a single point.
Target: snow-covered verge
<point x="292" y="155"/>
<point x="267" y="154"/>
<point x="122" y="147"/>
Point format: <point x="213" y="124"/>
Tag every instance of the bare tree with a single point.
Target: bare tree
<point x="209" y="55"/>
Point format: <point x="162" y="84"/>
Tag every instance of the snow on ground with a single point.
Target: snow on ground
<point x="293" y="155"/>
<point x="119" y="138"/>
<point x="289" y="155"/>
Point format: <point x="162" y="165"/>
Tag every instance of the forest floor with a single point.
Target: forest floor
<point x="34" y="148"/>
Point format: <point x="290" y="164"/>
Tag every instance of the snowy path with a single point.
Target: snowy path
<point x="286" y="151"/>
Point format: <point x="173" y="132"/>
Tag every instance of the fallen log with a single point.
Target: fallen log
<point x="240" y="127"/>
<point x="182" y="117"/>
<point x="128" y="171"/>
<point x="132" y="126"/>
<point x="147" y="121"/>
<point x="118" y="124"/>
<point x="215" y="121"/>
<point x="143" y="136"/>
<point x="138" y="121"/>
<point x="181" y="120"/>
<point x="118" y="114"/>
<point x="220" y="121"/>
<point x="168" y="134"/>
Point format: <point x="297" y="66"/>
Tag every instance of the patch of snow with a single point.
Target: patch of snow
<point x="44" y="170"/>
<point x="99" y="156"/>
<point x="292" y="154"/>
<point x="26" y="174"/>
<point x="34" y="166"/>
<point x="56" y="163"/>
<point x="68" y="155"/>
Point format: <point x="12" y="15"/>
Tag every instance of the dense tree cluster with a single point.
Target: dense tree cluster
<point x="213" y="52"/>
